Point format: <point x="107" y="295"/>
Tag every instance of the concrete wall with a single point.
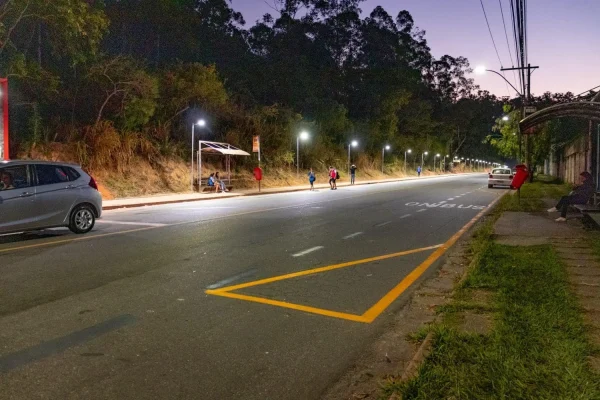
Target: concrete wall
<point x="574" y="160"/>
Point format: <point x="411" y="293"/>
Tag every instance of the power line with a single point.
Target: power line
<point x="492" y="36"/>
<point x="513" y="17"/>
<point x="589" y="90"/>
<point x="507" y="42"/>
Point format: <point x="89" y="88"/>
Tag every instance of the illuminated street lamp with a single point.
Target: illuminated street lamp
<point x="422" y="157"/>
<point x="201" y="123"/>
<point x="387" y="147"/>
<point x="406" y="151"/>
<point x="302" y="136"/>
<point x="437" y="156"/>
<point x="353" y="143"/>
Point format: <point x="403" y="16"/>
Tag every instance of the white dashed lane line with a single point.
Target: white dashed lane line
<point x="422" y="209"/>
<point x="307" y="251"/>
<point x="104" y="221"/>
<point x="405" y="216"/>
<point x="353" y="235"/>
<point x="383" y="224"/>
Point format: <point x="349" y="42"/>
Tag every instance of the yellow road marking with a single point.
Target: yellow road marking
<point x="319" y="270"/>
<point x="90" y="237"/>
<point x="298" y="307"/>
<point x="372" y="313"/>
<point x="77" y="239"/>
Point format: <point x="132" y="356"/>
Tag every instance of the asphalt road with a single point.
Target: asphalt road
<point x="219" y="299"/>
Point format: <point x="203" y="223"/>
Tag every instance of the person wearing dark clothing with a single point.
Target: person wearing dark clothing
<point x="581" y="194"/>
<point x="311" y="179"/>
<point x="352" y="174"/>
<point x="419" y="170"/>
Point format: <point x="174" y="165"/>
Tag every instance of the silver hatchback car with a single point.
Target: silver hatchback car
<point x="38" y="194"/>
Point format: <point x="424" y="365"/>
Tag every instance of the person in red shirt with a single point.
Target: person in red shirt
<point x="332" y="178"/>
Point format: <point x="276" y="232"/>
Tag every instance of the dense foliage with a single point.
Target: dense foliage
<point x="104" y="76"/>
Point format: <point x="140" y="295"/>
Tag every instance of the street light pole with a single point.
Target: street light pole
<point x="406" y="151"/>
<point x="303" y="135"/>
<point x="200" y="123"/>
<point x="354" y="143"/>
<point x="387" y="147"/>
<point x="422" y="158"/>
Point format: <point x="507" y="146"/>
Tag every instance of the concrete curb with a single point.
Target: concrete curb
<point x="163" y="202"/>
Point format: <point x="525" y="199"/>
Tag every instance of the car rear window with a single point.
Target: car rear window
<point x="501" y="171"/>
<point x="72" y="173"/>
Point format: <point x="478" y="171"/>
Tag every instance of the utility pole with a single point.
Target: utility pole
<point x="525" y="98"/>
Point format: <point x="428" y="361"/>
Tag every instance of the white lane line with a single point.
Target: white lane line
<point x="451" y="198"/>
<point x="422" y="209"/>
<point x="405" y="216"/>
<point x="234" y="278"/>
<point x="383" y="224"/>
<point x="104" y="221"/>
<point x="184" y="209"/>
<point x="352" y="235"/>
<point x="305" y="252"/>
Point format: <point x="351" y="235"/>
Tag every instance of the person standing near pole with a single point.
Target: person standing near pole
<point x="352" y="174"/>
<point x="419" y="170"/>
<point x="311" y="179"/>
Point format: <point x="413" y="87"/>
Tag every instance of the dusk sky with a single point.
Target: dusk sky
<point x="563" y="36"/>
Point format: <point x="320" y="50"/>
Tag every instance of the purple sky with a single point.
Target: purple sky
<point x="563" y="37"/>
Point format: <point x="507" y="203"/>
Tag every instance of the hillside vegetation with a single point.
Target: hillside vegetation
<point x="117" y="86"/>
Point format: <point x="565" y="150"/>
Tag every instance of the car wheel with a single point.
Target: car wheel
<point x="490" y="186"/>
<point x="82" y="219"/>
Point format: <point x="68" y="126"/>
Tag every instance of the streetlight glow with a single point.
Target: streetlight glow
<point x="505" y="118"/>
<point x="304" y="135"/>
<point x="480" y="70"/>
<point x="201" y="123"/>
<point x="387" y="147"/>
<point x="354" y="143"/>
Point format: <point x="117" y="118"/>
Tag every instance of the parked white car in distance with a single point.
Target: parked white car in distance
<point x="500" y="177"/>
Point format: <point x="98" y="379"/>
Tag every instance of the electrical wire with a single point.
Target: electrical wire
<point x="507" y="42"/>
<point x="589" y="90"/>
<point x="513" y="16"/>
<point x="493" y="41"/>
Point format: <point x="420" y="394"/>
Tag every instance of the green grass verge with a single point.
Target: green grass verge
<point x="537" y="348"/>
<point x="532" y="195"/>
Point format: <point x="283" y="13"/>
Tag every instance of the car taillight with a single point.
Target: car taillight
<point x="93" y="183"/>
<point x="491" y="176"/>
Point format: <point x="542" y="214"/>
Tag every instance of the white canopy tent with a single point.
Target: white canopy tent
<point x="217" y="148"/>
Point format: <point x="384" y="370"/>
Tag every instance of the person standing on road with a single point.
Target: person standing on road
<point x="352" y="174"/>
<point x="419" y="170"/>
<point x="311" y="179"/>
<point x="332" y="177"/>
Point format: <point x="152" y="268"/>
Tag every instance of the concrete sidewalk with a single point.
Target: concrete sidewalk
<point x="189" y="197"/>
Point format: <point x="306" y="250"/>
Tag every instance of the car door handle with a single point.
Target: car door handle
<point x="26" y="194"/>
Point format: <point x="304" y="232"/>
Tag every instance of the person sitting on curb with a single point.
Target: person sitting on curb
<point x="581" y="194"/>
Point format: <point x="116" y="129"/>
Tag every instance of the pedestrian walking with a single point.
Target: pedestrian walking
<point x="333" y="176"/>
<point x="419" y="170"/>
<point x="311" y="179"/>
<point x="352" y="174"/>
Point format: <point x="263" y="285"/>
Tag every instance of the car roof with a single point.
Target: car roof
<point x="23" y="162"/>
